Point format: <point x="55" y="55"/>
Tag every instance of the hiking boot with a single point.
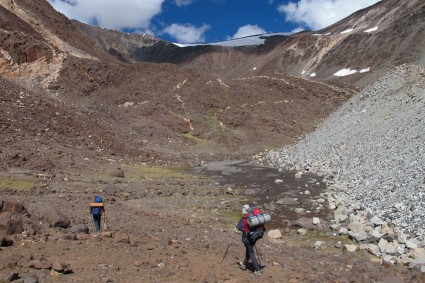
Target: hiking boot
<point x="242" y="265"/>
<point x="257" y="272"/>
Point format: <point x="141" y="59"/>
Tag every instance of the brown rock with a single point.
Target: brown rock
<point x="42" y="264"/>
<point x="117" y="173"/>
<point x="58" y="266"/>
<point x="121" y="237"/>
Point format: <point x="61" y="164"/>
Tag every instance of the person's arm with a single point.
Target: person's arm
<point x="240" y="225"/>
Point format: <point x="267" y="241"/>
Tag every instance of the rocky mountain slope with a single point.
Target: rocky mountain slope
<point x="169" y="109"/>
<point x="373" y="146"/>
<point x="355" y="42"/>
<point x="86" y="111"/>
<point x="371" y="151"/>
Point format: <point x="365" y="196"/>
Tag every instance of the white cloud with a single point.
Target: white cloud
<point x="298" y="29"/>
<point x="248" y="30"/>
<point x="318" y="14"/>
<point x="112" y="14"/>
<point x="187" y="33"/>
<point x="183" y="2"/>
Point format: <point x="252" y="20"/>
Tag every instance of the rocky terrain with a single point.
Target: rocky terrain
<point x="86" y="111"/>
<point x="371" y="151"/>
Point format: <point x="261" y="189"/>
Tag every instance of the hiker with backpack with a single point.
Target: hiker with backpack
<point x="252" y="227"/>
<point x="97" y="209"/>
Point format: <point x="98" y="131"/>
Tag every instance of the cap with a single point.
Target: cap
<point x="245" y="208"/>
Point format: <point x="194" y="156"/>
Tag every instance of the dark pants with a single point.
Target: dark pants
<point x="249" y="254"/>
<point x="97" y="219"/>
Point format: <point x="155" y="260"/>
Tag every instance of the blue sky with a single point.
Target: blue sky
<point x="198" y="21"/>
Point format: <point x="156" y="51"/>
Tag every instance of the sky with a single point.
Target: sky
<point x="207" y="21"/>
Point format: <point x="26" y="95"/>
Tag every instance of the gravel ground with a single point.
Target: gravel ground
<point x="373" y="149"/>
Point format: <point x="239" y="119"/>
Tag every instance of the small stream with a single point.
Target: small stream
<point x="279" y="198"/>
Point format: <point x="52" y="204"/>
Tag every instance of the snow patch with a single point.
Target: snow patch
<point x="371" y="29"/>
<point x="365" y="70"/>
<point x="222" y="83"/>
<point x="345" y="72"/>
<point x="303" y="72"/>
<point x="243" y="41"/>
<point x="347" y="31"/>
<point x="313" y="75"/>
<point x="255" y="68"/>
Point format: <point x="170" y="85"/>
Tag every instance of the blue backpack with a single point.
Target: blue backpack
<point x="96" y="209"/>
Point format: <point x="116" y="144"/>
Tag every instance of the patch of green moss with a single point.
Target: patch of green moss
<point x="201" y="143"/>
<point x="213" y="122"/>
<point x="8" y="182"/>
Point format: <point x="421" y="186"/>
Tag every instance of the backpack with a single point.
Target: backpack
<point x="255" y="224"/>
<point x="256" y="233"/>
<point x="97" y="210"/>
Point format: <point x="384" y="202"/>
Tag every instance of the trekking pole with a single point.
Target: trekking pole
<point x="89" y="221"/>
<point x="230" y="241"/>
<point x="104" y="221"/>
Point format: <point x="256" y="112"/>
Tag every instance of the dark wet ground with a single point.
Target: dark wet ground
<point x="280" y="199"/>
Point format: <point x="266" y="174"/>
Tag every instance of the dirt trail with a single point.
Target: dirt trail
<point x="165" y="225"/>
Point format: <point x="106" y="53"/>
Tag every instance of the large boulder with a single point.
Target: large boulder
<point x="56" y="218"/>
<point x="274" y="234"/>
<point x="307" y="223"/>
<point x="341" y="214"/>
<point x="79" y="228"/>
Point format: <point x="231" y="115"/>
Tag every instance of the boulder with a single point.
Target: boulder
<point x="298" y="175"/>
<point x="274" y="234"/>
<point x="299" y="210"/>
<point x="79" y="228"/>
<point x="387" y="247"/>
<point x="319" y="245"/>
<point x="341" y="214"/>
<point x="375" y="220"/>
<point x="343" y="231"/>
<point x="418" y="256"/>
<point x="61" y="267"/>
<point x="412" y="244"/>
<point x="350" y="248"/>
<point x="306" y="223"/>
<point x="56" y="218"/>
<point x="359" y="236"/>
<point x="121" y="237"/>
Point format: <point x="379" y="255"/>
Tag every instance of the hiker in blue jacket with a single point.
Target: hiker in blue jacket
<point x="242" y="226"/>
<point x="97" y="209"/>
